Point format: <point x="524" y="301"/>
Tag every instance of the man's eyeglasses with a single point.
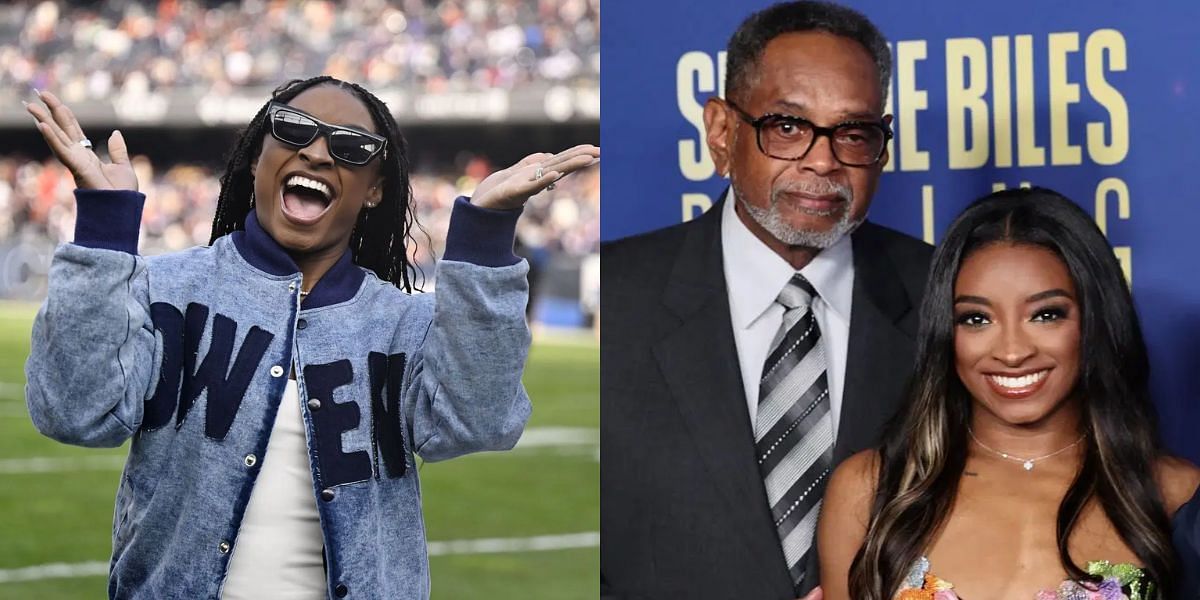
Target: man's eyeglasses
<point x="350" y="146"/>
<point x="854" y="143"/>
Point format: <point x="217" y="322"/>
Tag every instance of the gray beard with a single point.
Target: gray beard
<point x="772" y="220"/>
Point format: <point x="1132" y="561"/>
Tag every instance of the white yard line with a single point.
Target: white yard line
<point x="538" y="437"/>
<point x="54" y="571"/>
<point x="12" y="391"/>
<point x="47" y="464"/>
<point x="538" y="543"/>
<point x="567" y="441"/>
<point x="12" y="410"/>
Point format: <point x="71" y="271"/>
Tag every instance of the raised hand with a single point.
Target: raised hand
<point x="511" y="187"/>
<point x="58" y="126"/>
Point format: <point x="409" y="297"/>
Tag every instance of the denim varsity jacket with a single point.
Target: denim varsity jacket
<point x="188" y="354"/>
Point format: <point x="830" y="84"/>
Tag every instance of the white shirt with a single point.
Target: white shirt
<point x="755" y="275"/>
<point x="279" y="546"/>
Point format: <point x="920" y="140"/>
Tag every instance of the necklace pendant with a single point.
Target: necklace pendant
<point x="1028" y="465"/>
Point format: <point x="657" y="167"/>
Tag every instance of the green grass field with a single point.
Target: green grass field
<point x="63" y="514"/>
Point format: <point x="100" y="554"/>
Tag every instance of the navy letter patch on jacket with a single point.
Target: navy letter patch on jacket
<point x="337" y="467"/>
<point x="180" y="382"/>
<point x="387" y="372"/>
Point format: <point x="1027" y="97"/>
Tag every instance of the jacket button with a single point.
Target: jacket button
<point x="223" y="547"/>
<point x="276" y="371"/>
<point x="314" y="404"/>
<point x="341" y="590"/>
<point x="292" y="286"/>
<point x="301" y="324"/>
<point x="327" y="494"/>
<point x="251" y="460"/>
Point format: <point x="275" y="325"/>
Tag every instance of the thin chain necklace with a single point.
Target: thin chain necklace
<point x="1025" y="462"/>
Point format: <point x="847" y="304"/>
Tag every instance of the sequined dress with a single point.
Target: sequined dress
<point x="1118" y="582"/>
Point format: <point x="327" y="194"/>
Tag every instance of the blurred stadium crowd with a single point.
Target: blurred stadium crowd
<point x="37" y="205"/>
<point x="93" y="50"/>
<point x="92" y="53"/>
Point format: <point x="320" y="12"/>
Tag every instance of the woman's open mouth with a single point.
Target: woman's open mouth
<point x="305" y="200"/>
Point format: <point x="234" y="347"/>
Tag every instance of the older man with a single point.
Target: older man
<point x="747" y="352"/>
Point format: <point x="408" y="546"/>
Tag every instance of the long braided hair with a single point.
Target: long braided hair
<point x="382" y="235"/>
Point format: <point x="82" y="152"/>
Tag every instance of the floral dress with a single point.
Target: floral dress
<point x="1118" y="582"/>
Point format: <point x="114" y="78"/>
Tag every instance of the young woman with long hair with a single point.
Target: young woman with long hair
<point x="277" y="384"/>
<point x="1028" y="451"/>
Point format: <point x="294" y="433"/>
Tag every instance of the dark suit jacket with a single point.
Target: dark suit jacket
<point x="683" y="508"/>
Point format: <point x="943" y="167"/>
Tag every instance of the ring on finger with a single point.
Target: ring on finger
<point x="537" y="173"/>
<point x="86" y="143"/>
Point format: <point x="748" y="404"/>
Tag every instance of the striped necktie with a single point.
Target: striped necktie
<point x="793" y="432"/>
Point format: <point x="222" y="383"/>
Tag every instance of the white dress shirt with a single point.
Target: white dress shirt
<point x="755" y="275"/>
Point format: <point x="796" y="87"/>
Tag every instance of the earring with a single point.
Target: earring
<point x="251" y="198"/>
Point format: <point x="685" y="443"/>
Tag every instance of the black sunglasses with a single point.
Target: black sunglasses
<point x="351" y="146"/>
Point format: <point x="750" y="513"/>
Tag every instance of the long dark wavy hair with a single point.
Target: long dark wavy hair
<point x="924" y="448"/>
<point x="380" y="238"/>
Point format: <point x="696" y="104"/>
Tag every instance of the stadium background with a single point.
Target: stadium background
<point x="1089" y="97"/>
<point x="475" y="86"/>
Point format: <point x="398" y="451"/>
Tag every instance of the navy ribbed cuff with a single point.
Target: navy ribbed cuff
<point x="108" y="219"/>
<point x="482" y="236"/>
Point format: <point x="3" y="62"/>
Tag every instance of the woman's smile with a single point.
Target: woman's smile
<point x="305" y="198"/>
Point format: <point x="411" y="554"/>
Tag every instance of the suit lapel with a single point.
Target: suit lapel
<point x="882" y="330"/>
<point x="699" y="364"/>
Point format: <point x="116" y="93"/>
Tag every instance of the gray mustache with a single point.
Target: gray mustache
<point x="819" y="187"/>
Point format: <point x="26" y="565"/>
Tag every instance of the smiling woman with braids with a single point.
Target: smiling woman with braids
<point x="381" y="234"/>
<point x="1028" y="451"/>
<point x="277" y="384"/>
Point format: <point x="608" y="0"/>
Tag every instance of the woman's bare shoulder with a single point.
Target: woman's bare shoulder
<point x="844" y="519"/>
<point x="1178" y="479"/>
<point x="853" y="482"/>
<point x="860" y="467"/>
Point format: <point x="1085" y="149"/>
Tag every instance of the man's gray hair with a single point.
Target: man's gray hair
<point x="751" y="38"/>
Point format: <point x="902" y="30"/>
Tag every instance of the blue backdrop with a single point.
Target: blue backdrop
<point x="1094" y="99"/>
